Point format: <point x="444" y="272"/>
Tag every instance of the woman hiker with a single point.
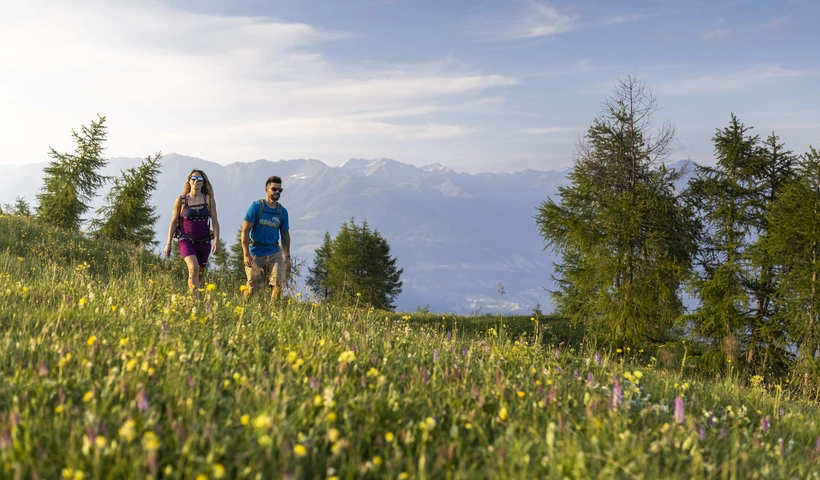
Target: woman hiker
<point x="190" y="224"/>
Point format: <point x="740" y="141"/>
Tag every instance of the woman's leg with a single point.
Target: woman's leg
<point x="193" y="275"/>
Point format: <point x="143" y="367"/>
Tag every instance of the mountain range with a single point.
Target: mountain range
<point x="456" y="235"/>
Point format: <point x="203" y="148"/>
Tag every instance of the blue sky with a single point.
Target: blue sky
<point x="474" y="85"/>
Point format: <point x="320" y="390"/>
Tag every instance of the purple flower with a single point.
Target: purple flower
<point x="142" y="401"/>
<point x="449" y="335"/>
<point x="597" y="358"/>
<point x="765" y="423"/>
<point x="576" y="374"/>
<point x="558" y="369"/>
<point x="435" y="355"/>
<point x="590" y="377"/>
<point x="557" y="353"/>
<point x="679" y="415"/>
<point x="723" y="433"/>
<point x="617" y="393"/>
<point x="782" y="412"/>
<point x="464" y="352"/>
<point x="702" y="434"/>
<point x="425" y="375"/>
<point x="315" y="383"/>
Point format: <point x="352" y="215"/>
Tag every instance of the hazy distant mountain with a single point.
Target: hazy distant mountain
<point x="456" y="235"/>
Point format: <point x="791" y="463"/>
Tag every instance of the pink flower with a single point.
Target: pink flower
<point x="142" y="401"/>
<point x="679" y="415"/>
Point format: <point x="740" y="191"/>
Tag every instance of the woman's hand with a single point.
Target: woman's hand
<point x="215" y="246"/>
<point x="167" y="250"/>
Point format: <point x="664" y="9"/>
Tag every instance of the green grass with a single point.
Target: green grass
<point x="118" y="373"/>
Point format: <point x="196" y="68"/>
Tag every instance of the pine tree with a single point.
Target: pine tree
<point x="317" y="274"/>
<point x="356" y="266"/>
<point x="21" y="207"/>
<point x="794" y="244"/>
<point x="128" y="215"/>
<point x="236" y="259"/>
<point x="222" y="257"/>
<point x="71" y="180"/>
<point x="724" y="197"/>
<point x="626" y="237"/>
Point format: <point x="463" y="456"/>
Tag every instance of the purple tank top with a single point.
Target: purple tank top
<point x="195" y="220"/>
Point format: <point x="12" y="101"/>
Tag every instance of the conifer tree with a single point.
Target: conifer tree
<point x="128" y="215"/>
<point x="794" y="244"/>
<point x="317" y="274"/>
<point x="236" y="260"/>
<point x="626" y="237"/>
<point x="71" y="180"/>
<point x="21" y="207"/>
<point x="725" y="200"/>
<point x="356" y="266"/>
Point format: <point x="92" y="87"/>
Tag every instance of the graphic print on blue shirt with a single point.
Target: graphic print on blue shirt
<point x="265" y="232"/>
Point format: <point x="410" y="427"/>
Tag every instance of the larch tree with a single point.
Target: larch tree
<point x="624" y="233"/>
<point x="71" y="180"/>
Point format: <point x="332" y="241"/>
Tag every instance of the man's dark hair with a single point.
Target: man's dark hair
<point x="273" y="179"/>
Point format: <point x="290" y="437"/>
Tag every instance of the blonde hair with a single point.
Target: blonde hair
<point x="206" y="185"/>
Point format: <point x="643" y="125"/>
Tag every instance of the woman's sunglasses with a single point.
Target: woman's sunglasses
<point x="198" y="179"/>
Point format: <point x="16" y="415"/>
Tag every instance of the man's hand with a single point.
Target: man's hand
<point x="248" y="261"/>
<point x="288" y="265"/>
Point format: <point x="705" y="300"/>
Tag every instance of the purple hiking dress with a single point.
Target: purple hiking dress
<point x="195" y="226"/>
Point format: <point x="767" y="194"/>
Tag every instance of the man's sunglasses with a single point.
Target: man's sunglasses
<point x="198" y="179"/>
<point x="277" y="189"/>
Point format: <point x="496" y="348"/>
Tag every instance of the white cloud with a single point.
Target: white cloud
<point x="733" y="82"/>
<point x="208" y="85"/>
<point x="717" y="33"/>
<point x="542" y="19"/>
<point x="551" y="130"/>
<point x="778" y="21"/>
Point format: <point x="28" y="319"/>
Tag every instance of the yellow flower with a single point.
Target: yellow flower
<point x="291" y="357"/>
<point x="347" y="357"/>
<point x="201" y="476"/>
<point x="113" y="308"/>
<point x="502" y="414"/>
<point x="317" y="400"/>
<point x="377" y="460"/>
<point x="82" y="301"/>
<point x="299" y="295"/>
<point x="242" y="288"/>
<point x="239" y="310"/>
<point x="58" y="409"/>
<point x="91" y="340"/>
<point x="468" y="426"/>
<point x="521" y="394"/>
<point x="150" y="441"/>
<point x="430" y="422"/>
<point x="637" y="374"/>
<point x="618" y="350"/>
<point x="245" y="419"/>
<point x="210" y="287"/>
<point x="358" y="294"/>
<point x="333" y="435"/>
<point x="127" y="431"/>
<point x="388" y="437"/>
<point x="265" y="441"/>
<point x="100" y="441"/>
<point x="299" y="450"/>
<point x="331" y="416"/>
<point x="262" y="421"/>
<point x="219" y="470"/>
<point x="124" y="341"/>
<point x="372" y="373"/>
<point x="88" y="396"/>
<point x="403" y="476"/>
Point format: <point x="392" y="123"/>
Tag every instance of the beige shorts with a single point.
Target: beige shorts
<point x="270" y="267"/>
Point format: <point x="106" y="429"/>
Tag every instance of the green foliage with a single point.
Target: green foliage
<point x="128" y="216"/>
<point x="737" y="282"/>
<point x="21" y="207"/>
<point x="356" y="266"/>
<point x="625" y="236"/>
<point x="71" y="180"/>
<point x="126" y="376"/>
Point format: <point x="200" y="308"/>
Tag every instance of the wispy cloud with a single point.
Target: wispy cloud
<point x="732" y="82"/>
<point x="717" y="33"/>
<point x="551" y="130"/>
<point x="778" y="21"/>
<point x="180" y="81"/>
<point x="541" y="20"/>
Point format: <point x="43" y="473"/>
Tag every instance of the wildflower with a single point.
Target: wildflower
<point x="377" y="460"/>
<point x="388" y="437"/>
<point x="702" y="434"/>
<point x="242" y="288"/>
<point x="299" y="450"/>
<point x="638" y="374"/>
<point x="679" y="414"/>
<point x="502" y="414"/>
<point x="262" y="421"/>
<point x="333" y="435"/>
<point x="430" y="422"/>
<point x="58" y="409"/>
<point x="150" y="441"/>
<point x="88" y="396"/>
<point x="521" y="394"/>
<point x="723" y="433"/>
<point x="590" y="377"/>
<point x="347" y="356"/>
<point x="597" y="358"/>
<point x="239" y="310"/>
<point x="358" y="294"/>
<point x="210" y="287"/>
<point x="617" y="393"/>
<point x="124" y="342"/>
<point x="618" y="350"/>
<point x="265" y="441"/>
<point x="403" y="476"/>
<point x="201" y="476"/>
<point x="782" y="412"/>
<point x="291" y="357"/>
<point x="435" y="355"/>
<point x="82" y="301"/>
<point x="219" y="470"/>
<point x="245" y="419"/>
<point x="142" y="400"/>
<point x="100" y="441"/>
<point x="91" y="340"/>
<point x="765" y="423"/>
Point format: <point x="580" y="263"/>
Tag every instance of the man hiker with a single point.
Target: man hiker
<point x="265" y="222"/>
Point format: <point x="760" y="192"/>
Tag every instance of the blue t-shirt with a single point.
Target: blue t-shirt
<point x="265" y="232"/>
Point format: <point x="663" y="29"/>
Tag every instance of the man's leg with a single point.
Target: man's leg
<point x="255" y="276"/>
<point x="277" y="276"/>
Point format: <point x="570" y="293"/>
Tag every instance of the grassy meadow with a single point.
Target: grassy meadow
<point x="110" y="370"/>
